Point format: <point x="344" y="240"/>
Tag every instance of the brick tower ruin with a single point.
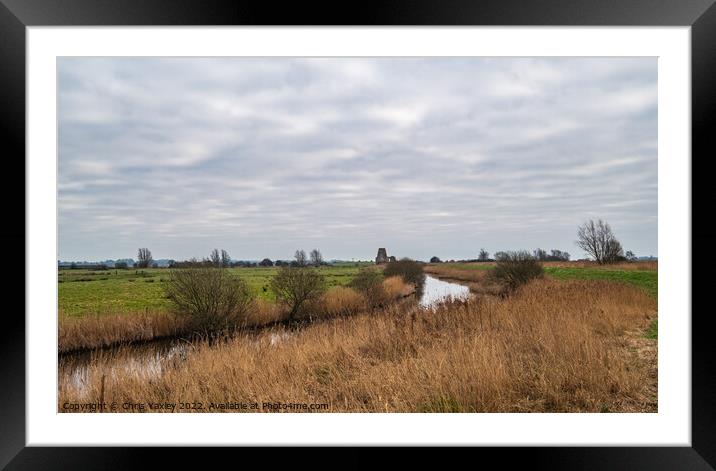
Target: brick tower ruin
<point x="382" y="256"/>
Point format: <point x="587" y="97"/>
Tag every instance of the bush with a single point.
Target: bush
<point x="409" y="270"/>
<point x="213" y="299"/>
<point x="514" y="269"/>
<point x="369" y="282"/>
<point x="295" y="286"/>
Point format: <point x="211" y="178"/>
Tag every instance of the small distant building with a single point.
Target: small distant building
<point x="382" y="256"/>
<point x="391" y="258"/>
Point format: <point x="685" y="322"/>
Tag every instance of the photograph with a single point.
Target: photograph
<point x="426" y="234"/>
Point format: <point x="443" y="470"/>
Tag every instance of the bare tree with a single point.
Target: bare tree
<point x="300" y="257"/>
<point x="294" y="286"/>
<point x="614" y="252"/>
<point x="599" y="242"/>
<point x="211" y="298"/>
<point x="316" y="257"/>
<point x="540" y="254"/>
<point x="225" y="258"/>
<point x="484" y="255"/>
<point x="215" y="258"/>
<point x="144" y="258"/>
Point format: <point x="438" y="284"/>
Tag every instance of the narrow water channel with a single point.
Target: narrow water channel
<point x="151" y="359"/>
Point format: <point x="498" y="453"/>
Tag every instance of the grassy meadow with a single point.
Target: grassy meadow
<point x="93" y="292"/>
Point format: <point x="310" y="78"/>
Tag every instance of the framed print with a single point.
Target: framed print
<point x="415" y="225"/>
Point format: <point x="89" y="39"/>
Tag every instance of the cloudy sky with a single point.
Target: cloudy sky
<point x="428" y="156"/>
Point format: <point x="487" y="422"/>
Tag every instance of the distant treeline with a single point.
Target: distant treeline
<point x="221" y="259"/>
<point x="484" y="256"/>
<point x="266" y="262"/>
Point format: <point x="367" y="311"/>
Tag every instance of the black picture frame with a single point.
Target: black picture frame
<point x="700" y="15"/>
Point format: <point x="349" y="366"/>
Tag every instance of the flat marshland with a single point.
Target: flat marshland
<point x="557" y="344"/>
<point x="102" y="292"/>
<point x="101" y="308"/>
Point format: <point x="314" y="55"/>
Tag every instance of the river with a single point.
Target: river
<point x="150" y="359"/>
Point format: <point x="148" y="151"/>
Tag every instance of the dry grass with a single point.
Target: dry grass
<point x="628" y="266"/>
<point x="80" y="333"/>
<point x="265" y="312"/>
<point x="83" y="333"/>
<point x="345" y="301"/>
<point x="448" y="272"/>
<point x="395" y="288"/>
<point x="551" y="347"/>
<point x="340" y="301"/>
<point x="477" y="280"/>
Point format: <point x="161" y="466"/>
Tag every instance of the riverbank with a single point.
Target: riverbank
<point x="78" y="334"/>
<point x="475" y="279"/>
<point x="642" y="341"/>
<point x="535" y="351"/>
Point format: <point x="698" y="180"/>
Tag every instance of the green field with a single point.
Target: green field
<point x="83" y="292"/>
<point x="647" y="279"/>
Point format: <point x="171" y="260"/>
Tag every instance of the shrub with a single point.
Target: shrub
<point x="213" y="300"/>
<point x="409" y="270"/>
<point x="369" y="282"/>
<point x="295" y="286"/>
<point x="514" y="269"/>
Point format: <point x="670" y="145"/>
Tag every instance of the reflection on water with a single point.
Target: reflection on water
<point x="143" y="362"/>
<point x="436" y="291"/>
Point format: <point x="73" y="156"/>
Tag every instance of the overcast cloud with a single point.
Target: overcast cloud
<point x="435" y="156"/>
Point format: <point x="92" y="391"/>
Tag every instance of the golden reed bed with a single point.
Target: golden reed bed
<point x="551" y="347"/>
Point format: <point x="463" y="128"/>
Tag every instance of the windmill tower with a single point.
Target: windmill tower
<point x="382" y="256"/>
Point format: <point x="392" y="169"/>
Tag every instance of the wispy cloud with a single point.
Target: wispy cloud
<point x="438" y="156"/>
